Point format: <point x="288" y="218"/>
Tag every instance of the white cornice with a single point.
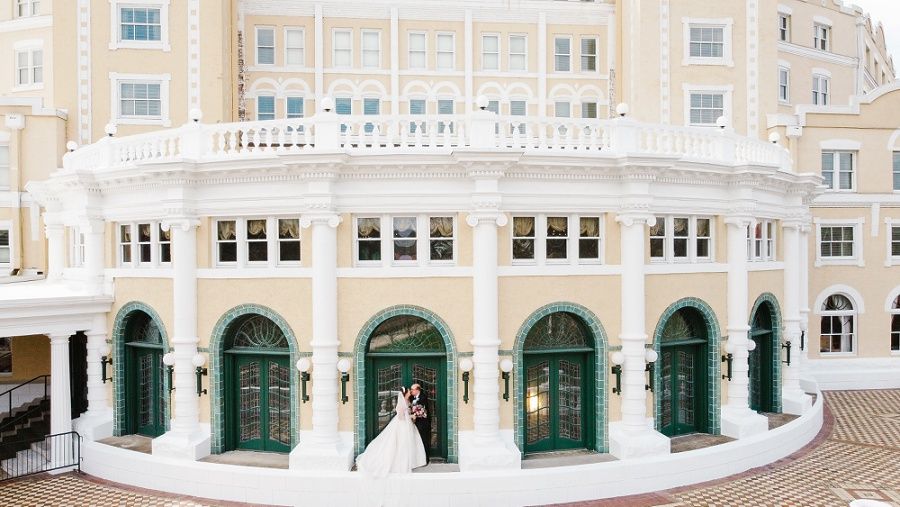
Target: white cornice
<point x="815" y="54"/>
<point x="23" y="24"/>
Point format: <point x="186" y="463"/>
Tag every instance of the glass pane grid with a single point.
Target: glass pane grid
<point x="249" y="406"/>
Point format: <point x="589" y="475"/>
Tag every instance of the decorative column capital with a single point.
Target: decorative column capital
<point x="183" y="223"/>
<point x="59" y="337"/>
<point x="53" y="228"/>
<point x="794" y="223"/>
<point x="493" y="217"/>
<point x="321" y="218"/>
<point x="631" y="218"/>
<point x="92" y="225"/>
<point x="740" y="221"/>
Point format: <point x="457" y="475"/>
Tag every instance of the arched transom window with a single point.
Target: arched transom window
<point x="838" y="325"/>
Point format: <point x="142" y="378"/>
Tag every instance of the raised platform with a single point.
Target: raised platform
<point x="855" y="373"/>
<point x="498" y="488"/>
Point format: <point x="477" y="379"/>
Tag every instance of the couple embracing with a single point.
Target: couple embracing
<point x="403" y="444"/>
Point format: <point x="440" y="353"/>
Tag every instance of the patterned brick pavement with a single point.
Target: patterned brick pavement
<point x="857" y="455"/>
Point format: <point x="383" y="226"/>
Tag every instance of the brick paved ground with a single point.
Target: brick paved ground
<point x="857" y="455"/>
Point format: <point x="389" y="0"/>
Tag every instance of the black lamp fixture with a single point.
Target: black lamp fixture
<point x="651" y="356"/>
<point x="303" y="366"/>
<point x="466" y="365"/>
<point x="343" y="366"/>
<point x="169" y="361"/>
<point x="506" y="366"/>
<point x="198" y="361"/>
<point x="787" y="345"/>
<point x="105" y="361"/>
<point x="617" y="359"/>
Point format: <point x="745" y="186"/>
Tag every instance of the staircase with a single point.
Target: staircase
<point x="32" y="426"/>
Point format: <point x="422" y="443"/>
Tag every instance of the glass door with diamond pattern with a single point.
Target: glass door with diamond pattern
<point x="682" y="380"/>
<point x="556" y="402"/>
<point x="144" y="391"/>
<point x="261" y="416"/>
<point x="762" y="397"/>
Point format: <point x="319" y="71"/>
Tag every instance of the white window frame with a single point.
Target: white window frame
<point x="29" y="48"/>
<point x="245" y="239"/>
<point x="7" y="226"/>
<point x="423" y="241"/>
<point x="439" y="52"/>
<point x="496" y="36"/>
<point x="214" y="237"/>
<point x="858" y="258"/>
<point x="889" y="258"/>
<point x="784" y="27"/>
<point x="115" y="79"/>
<point x="5" y="166"/>
<point x="32" y="8"/>
<point x="76" y="247"/>
<point x="727" y="101"/>
<point x="381" y="241"/>
<point x="134" y="245"/>
<point x="423" y="53"/>
<point x="852" y="313"/>
<point x="767" y="241"/>
<point x="524" y="54"/>
<point x="429" y="239"/>
<point x="274" y="105"/>
<point x="301" y="49"/>
<point x="302" y="100"/>
<point x="581" y="54"/>
<point x="822" y="33"/>
<point x="160" y="242"/>
<point x="363" y="50"/>
<point x="242" y="242"/>
<point x="836" y="152"/>
<point x="727" y="26"/>
<point x="334" y="48"/>
<point x="895" y="170"/>
<point x="784" y="89"/>
<point x="600" y="238"/>
<point x="556" y="108"/>
<point x="894" y="313"/>
<point x="256" y="46"/>
<point x="556" y="55"/>
<point x="115" y="32"/>
<point x="540" y="238"/>
<point x="669" y="240"/>
<point x="821" y="97"/>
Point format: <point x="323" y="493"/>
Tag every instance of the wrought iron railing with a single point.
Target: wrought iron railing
<point x="54" y="452"/>
<point x="6" y="398"/>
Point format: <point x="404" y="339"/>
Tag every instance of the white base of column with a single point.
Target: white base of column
<point x="183" y="445"/>
<point x="94" y="426"/>
<point x="475" y="455"/>
<point x="310" y="455"/>
<point x="795" y="402"/>
<point x="743" y="422"/>
<point x="625" y="444"/>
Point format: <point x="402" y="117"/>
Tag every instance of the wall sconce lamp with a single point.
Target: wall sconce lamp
<point x="651" y="356"/>
<point x="198" y="361"/>
<point x="169" y="360"/>
<point x="506" y="366"/>
<point x="104" y="361"/>
<point x="617" y="359"/>
<point x="466" y="365"/>
<point x="802" y="340"/>
<point x="303" y="366"/>
<point x="787" y="345"/>
<point x="343" y="366"/>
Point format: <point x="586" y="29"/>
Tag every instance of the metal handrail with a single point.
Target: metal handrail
<point x="60" y="450"/>
<point x="8" y="392"/>
<point x="12" y="421"/>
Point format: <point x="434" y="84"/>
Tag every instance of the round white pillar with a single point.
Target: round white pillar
<point x="794" y="399"/>
<point x="56" y="250"/>
<point x="94" y="258"/>
<point x="60" y="390"/>
<point x="804" y="291"/>
<point x="96" y="391"/>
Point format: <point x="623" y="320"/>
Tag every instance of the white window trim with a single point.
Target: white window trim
<point x="29" y="4"/>
<point x="115" y="31"/>
<point x="499" y="51"/>
<point x="786" y="69"/>
<point x="596" y="55"/>
<point x="858" y="258"/>
<point x="163" y="79"/>
<point x="28" y="46"/>
<point x="242" y="243"/>
<point x="889" y="259"/>
<point x="764" y="256"/>
<point x="134" y="246"/>
<point x="437" y="52"/>
<point x="274" y="105"/>
<point x="13" y="260"/>
<point x="334" y="49"/>
<point x="854" y="336"/>
<point x="571" y="54"/>
<point x="842" y="146"/>
<point x="827" y="24"/>
<point x="423" y="241"/>
<point x="574" y="234"/>
<point x="727" y="104"/>
<point x="256" y="61"/>
<point x="727" y="25"/>
<point x="302" y="31"/>
<point x="362" y="34"/>
<point x="669" y="241"/>
<point x="409" y="50"/>
<point x="76" y="247"/>
<point x="525" y="54"/>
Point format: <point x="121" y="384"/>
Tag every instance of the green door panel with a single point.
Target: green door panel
<point x="144" y="396"/>
<point x="557" y="402"/>
<point x="684" y="402"/>
<point x="761" y="372"/>
<point x="260" y="416"/>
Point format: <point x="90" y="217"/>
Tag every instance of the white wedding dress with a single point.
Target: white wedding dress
<point x="397" y="449"/>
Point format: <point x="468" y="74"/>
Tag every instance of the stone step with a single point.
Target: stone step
<point x="25" y="462"/>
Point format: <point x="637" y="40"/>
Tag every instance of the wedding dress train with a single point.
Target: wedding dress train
<point x="397" y="449"/>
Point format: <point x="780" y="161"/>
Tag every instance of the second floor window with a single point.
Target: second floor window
<point x="562" y="109"/>
<point x="343" y="49"/>
<point x="761" y="241"/>
<point x="560" y="239"/>
<point x="490" y="52"/>
<point x="265" y="46"/>
<point x="706" y="108"/>
<point x="589" y="54"/>
<point x="562" y="54"/>
<point x="265" y="107"/>
<point x="140" y="24"/>
<point x="412" y="239"/>
<point x="820" y="90"/>
<point x="257" y="241"/>
<point x="784" y="27"/>
<point x="143" y="244"/>
<point x="29" y="67"/>
<point x="26" y="8"/>
<point x="821" y="37"/>
<point x="294" y="47"/>
<point x="417" y="51"/>
<point x="371" y="49"/>
<point x="836" y="242"/>
<point x="684" y="239"/>
<point x="838" y="170"/>
<point x="895" y="241"/>
<point x="293" y="107"/>
<point x="707" y="41"/>
<point x="140" y="100"/>
<point x="446" y="50"/>
<point x="897" y="170"/>
<point x="784" y="84"/>
<point x="518" y="53"/>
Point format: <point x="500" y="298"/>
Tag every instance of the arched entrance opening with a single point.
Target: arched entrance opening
<point x="763" y="359"/>
<point x="257" y="385"/>
<point x="558" y="384"/>
<point x="145" y="393"/>
<point x="684" y="373"/>
<point x="401" y="351"/>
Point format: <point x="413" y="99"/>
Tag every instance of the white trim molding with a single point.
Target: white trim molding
<point x="840" y="145"/>
<point x="115" y="23"/>
<point x="838" y="288"/>
<point x="727" y="26"/>
<point x="163" y="79"/>
<point x="858" y="258"/>
<point x="727" y="92"/>
<point x="889" y="259"/>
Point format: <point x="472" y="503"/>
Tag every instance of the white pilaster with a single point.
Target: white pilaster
<point x="738" y="420"/>
<point x="187" y="439"/>
<point x="94" y="259"/>
<point x="633" y="436"/>
<point x="96" y="423"/>
<point x="56" y="250"/>
<point x="324" y="448"/>
<point x="804" y="292"/>
<point x="60" y="398"/>
<point x="794" y="399"/>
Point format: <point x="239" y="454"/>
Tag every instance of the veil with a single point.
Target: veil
<point x="402" y="406"/>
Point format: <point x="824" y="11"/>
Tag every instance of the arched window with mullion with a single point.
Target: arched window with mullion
<point x="838" y="330"/>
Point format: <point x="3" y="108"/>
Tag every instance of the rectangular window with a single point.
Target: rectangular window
<point x="589" y="54"/>
<point x="5" y="356"/>
<point x="562" y="110"/>
<point x="441" y="238"/>
<point x="518" y="108"/>
<point x="26" y="8"/>
<point x="417" y="107"/>
<point x="821" y="37"/>
<point x="895" y="241"/>
<point x="838" y="170"/>
<point x="343" y="106"/>
<point x="405" y="238"/>
<point x="4" y="167"/>
<point x="490" y="52"/>
<point x="445" y="106"/>
<point x="518" y="53"/>
<point x="371" y="49"/>
<point x="446" y="51"/>
<point x="368" y="239"/>
<point x="681" y="231"/>
<point x="820" y="90"/>
<point x="165" y="244"/>
<point x="681" y="239"/>
<point x="897" y="170"/>
<point x="557" y="238"/>
<point x="29" y="67"/>
<point x="288" y="240"/>
<point x="265" y="45"/>
<point x="418" y="46"/>
<point x="294" y="47"/>
<point x="758" y="241"/>
<point x="784" y="27"/>
<point x="294" y="107"/>
<point x="562" y="54"/>
<point x="770" y="241"/>
<point x="343" y="48"/>
<point x="836" y="242"/>
<point x="706" y="108"/>
<point x="140" y="100"/>
<point x="257" y="240"/>
<point x="144" y="243"/>
<point x="125" y="244"/>
<point x="703" y="238"/>
<point x="784" y="84"/>
<point x="226" y="241"/>
<point x="707" y="41"/>
<point x="589" y="238"/>
<point x="589" y="110"/>
<point x="658" y="239"/>
<point x="140" y="24"/>
<point x="265" y="107"/>
<point x="5" y="248"/>
<point x="837" y="333"/>
<point x="371" y="107"/>
<point x="523" y="238"/>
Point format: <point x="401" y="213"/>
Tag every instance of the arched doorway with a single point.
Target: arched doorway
<point x="404" y="350"/>
<point x="145" y="393"/>
<point x="764" y="359"/>
<point x="257" y="385"/>
<point x="558" y="384"/>
<point x="686" y="373"/>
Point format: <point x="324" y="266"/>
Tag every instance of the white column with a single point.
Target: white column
<point x="324" y="448"/>
<point x="738" y="420"/>
<point x="96" y="423"/>
<point x="94" y="258"/>
<point x="633" y="436"/>
<point x="186" y="439"/>
<point x="56" y="250"/>
<point x="60" y="399"/>
<point x="794" y="400"/>
<point x="804" y="292"/>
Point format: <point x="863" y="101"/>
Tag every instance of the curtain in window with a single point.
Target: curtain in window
<point x="256" y="227"/>
<point x="404" y="227"/>
<point x="557" y="226"/>
<point x="144" y="232"/>
<point x="369" y="227"/>
<point x="523" y="226"/>
<point x="289" y="228"/>
<point x="680" y="227"/>
<point x="126" y="234"/>
<point x="226" y="230"/>
<point x="441" y="227"/>
<point x="702" y="228"/>
<point x="590" y="227"/>
<point x="165" y="235"/>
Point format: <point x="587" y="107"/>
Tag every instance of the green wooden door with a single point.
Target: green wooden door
<point x="761" y="377"/>
<point x="557" y="402"/>
<point x="144" y="402"/>
<point x="387" y="373"/>
<point x="683" y="383"/>
<point x="260" y="402"/>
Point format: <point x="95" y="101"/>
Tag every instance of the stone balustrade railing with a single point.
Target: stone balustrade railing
<point x="411" y="133"/>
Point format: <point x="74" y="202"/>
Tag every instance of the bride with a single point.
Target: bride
<point x="398" y="448"/>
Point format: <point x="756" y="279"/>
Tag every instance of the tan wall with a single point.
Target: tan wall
<point x="30" y="358"/>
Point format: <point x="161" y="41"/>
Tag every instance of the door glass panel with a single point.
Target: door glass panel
<point x="666" y="381"/>
<point x="685" y="388"/>
<point x="249" y="405"/>
<point x="755" y="376"/>
<point x="145" y="390"/>
<point x="427" y="378"/>
<point x="537" y="398"/>
<point x="389" y="382"/>
<point x="279" y="404"/>
<point x="569" y="400"/>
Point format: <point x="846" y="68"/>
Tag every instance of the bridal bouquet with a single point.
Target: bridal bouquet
<point x="418" y="412"/>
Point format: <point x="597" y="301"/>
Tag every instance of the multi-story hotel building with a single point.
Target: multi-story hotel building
<point x="589" y="226"/>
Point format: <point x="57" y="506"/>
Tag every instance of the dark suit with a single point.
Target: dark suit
<point x="423" y="424"/>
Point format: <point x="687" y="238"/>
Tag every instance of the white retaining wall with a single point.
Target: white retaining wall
<point x="856" y="373"/>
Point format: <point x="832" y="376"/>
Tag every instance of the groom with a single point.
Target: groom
<point x="423" y="424"/>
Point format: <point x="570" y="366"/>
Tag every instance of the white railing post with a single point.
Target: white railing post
<point x="481" y="132"/>
<point x="726" y="147"/>
<point x="327" y="129"/>
<point x="625" y="136"/>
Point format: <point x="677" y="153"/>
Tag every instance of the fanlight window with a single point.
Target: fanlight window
<point x="145" y="330"/>
<point x="684" y="324"/>
<point x="258" y="332"/>
<point x="762" y="320"/>
<point x="406" y="333"/>
<point x="558" y="330"/>
<point x="838" y="325"/>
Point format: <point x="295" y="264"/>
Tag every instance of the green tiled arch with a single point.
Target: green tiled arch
<point x="713" y="359"/>
<point x="359" y="353"/>
<point x="769" y="299"/>
<point x="600" y="353"/>
<point x="217" y="371"/>
<point x="118" y="350"/>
